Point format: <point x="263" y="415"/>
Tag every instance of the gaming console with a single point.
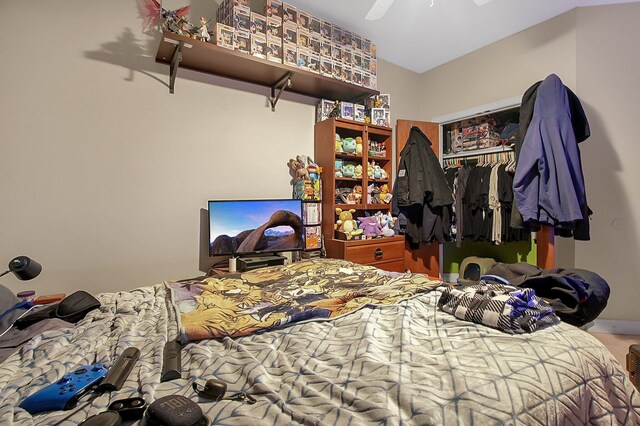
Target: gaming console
<point x="65" y="393"/>
<point x="249" y="263"/>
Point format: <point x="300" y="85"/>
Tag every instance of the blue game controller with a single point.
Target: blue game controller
<point x="65" y="393"/>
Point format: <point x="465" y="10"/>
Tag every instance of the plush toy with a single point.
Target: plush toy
<point x="358" y="171"/>
<point x="348" y="170"/>
<point x="386" y="223"/>
<point x="339" y="143"/>
<point x="359" y="145"/>
<point x="339" y="165"/>
<point x="370" y="170"/>
<point x="357" y="193"/>
<point x="383" y="173"/>
<point x="370" y="226"/>
<point x="375" y="195"/>
<point x="297" y="170"/>
<point x="377" y="172"/>
<point x="346" y="224"/>
<point x="349" y="145"/>
<point x="385" y="196"/>
<point x="370" y="193"/>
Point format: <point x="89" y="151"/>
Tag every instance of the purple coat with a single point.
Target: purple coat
<point x="549" y="184"/>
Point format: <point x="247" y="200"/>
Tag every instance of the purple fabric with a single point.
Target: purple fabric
<point x="549" y="184"/>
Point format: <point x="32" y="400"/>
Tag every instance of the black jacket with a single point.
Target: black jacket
<point x="421" y="191"/>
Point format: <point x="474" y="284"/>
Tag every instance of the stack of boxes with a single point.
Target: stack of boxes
<point x="287" y="35"/>
<point x="377" y="109"/>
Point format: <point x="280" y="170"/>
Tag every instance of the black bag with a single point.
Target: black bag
<point x="71" y="309"/>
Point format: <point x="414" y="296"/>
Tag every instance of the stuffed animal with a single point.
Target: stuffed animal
<point x="358" y="171"/>
<point x="386" y="223"/>
<point x="339" y="165"/>
<point x="357" y="193"/>
<point x="349" y="145"/>
<point x="375" y="195"/>
<point x="377" y="172"/>
<point x="297" y="170"/>
<point x="370" y="193"/>
<point x="370" y="226"/>
<point x="359" y="145"/>
<point x="385" y="196"/>
<point x="370" y="170"/>
<point x="339" y="143"/>
<point x="346" y="224"/>
<point x="349" y="170"/>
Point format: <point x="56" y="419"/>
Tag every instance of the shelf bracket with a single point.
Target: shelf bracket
<point x="281" y="86"/>
<point x="175" y="64"/>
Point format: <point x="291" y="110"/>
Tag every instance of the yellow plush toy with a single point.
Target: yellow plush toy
<point x="346" y="224"/>
<point x="359" y="145"/>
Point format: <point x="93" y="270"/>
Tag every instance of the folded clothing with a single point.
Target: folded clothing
<point x="506" y="308"/>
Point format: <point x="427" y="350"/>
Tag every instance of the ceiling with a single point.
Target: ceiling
<point x="418" y="36"/>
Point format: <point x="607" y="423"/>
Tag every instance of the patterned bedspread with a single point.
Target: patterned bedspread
<point x="267" y="298"/>
<point x="405" y="363"/>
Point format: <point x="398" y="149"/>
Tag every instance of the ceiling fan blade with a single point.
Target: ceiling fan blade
<point x="481" y="2"/>
<point x="378" y="10"/>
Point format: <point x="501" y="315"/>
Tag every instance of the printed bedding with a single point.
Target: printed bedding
<point x="405" y="363"/>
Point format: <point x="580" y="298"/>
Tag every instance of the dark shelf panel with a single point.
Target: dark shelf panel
<point x="211" y="59"/>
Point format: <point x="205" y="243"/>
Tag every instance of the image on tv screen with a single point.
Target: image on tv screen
<point x="237" y="227"/>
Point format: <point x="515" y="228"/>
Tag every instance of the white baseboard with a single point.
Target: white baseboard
<point x="614" y="327"/>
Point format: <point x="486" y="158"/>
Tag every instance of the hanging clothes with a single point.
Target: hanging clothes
<point x="549" y="185"/>
<point x="421" y="192"/>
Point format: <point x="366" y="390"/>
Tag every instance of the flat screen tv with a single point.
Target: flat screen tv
<point x="238" y="227"/>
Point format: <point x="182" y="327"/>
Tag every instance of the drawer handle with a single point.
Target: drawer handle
<point x="377" y="253"/>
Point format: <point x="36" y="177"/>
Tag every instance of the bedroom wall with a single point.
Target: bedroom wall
<point x="592" y="50"/>
<point x="608" y="66"/>
<point x="103" y="173"/>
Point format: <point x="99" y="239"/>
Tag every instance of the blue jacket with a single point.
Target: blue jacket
<point x="549" y="185"/>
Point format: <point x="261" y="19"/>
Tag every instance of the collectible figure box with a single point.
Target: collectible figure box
<point x="366" y="63"/>
<point x="336" y="52"/>
<point x="311" y="214"/>
<point x="356" y="59"/>
<point x="258" y="24"/>
<point x="289" y="54"/>
<point x="241" y="3"/>
<point x="224" y="36"/>
<point x="259" y="46"/>
<point x="314" y="44"/>
<point x="289" y="14"/>
<point x="366" y="79"/>
<point x="273" y="8"/>
<point x="326" y="30"/>
<point x="337" y="70"/>
<point x="314" y="62"/>
<point x="357" y="42"/>
<point x="373" y="51"/>
<point x="336" y="32"/>
<point x="326" y="66"/>
<point x="290" y="33"/>
<point x="314" y="26"/>
<point x="374" y="82"/>
<point x="242" y="41"/>
<point x="377" y="116"/>
<point x="303" y="20"/>
<point x="274" y="49"/>
<point x="274" y="27"/>
<point x="347" y="38"/>
<point x="356" y="76"/>
<point x="358" y="113"/>
<point x="241" y="18"/>
<point x="347" y="56"/>
<point x="366" y="46"/>
<point x="303" y="58"/>
<point x="312" y="240"/>
<point x="323" y="109"/>
<point x="373" y="67"/>
<point x="346" y="110"/>
<point x="325" y="49"/>
<point x="347" y="74"/>
<point x="303" y="38"/>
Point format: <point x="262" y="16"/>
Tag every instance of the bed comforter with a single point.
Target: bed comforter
<point x="400" y="364"/>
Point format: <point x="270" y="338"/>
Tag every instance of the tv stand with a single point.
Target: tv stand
<point x="259" y="261"/>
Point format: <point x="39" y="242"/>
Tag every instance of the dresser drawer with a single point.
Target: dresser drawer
<point x="393" y="266"/>
<point x="374" y="251"/>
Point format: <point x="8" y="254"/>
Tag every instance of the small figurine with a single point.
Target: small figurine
<point x="203" y="34"/>
<point x="358" y="171"/>
<point x="335" y="112"/>
<point x="357" y="193"/>
<point x="359" y="145"/>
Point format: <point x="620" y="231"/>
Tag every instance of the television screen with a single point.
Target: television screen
<point x="254" y="226"/>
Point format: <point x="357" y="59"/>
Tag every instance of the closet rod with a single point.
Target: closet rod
<point x="492" y="150"/>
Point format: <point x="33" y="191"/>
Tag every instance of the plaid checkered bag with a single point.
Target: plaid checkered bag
<point x="507" y="308"/>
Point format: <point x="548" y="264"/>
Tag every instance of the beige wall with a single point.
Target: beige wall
<point x="103" y="173"/>
<point x="608" y="66"/>
<point x="594" y="51"/>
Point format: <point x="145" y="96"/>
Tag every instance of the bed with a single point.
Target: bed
<point x="401" y="363"/>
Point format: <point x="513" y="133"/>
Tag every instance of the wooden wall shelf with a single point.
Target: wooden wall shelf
<point x="179" y="51"/>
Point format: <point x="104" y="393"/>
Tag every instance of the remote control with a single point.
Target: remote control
<point x="65" y="393"/>
<point x="171" y="360"/>
<point x="120" y="370"/>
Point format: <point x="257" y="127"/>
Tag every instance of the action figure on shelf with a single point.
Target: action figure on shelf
<point x="203" y="31"/>
<point x="156" y="17"/>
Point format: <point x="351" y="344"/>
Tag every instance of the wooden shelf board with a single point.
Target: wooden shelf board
<point x="211" y="59"/>
<point x="347" y="179"/>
